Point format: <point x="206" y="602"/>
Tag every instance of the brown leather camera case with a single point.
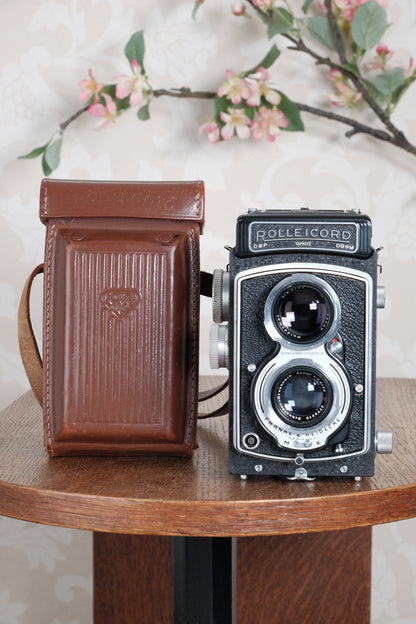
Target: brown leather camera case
<point x="121" y="316"/>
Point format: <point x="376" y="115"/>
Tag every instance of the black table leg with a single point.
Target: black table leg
<point x="202" y="580"/>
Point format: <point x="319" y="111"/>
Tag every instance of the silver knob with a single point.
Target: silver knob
<point x="220" y="295"/>
<point x="218" y="346"/>
<point x="384" y="442"/>
<point x="381" y="297"/>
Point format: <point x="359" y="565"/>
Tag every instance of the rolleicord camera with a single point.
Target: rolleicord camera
<point x="295" y="323"/>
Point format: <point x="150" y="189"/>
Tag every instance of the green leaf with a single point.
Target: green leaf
<point x="143" y="113"/>
<point x="250" y="112"/>
<point x="401" y="90"/>
<point x="221" y="106"/>
<point x="320" y="30"/>
<point x="292" y="114"/>
<point x="353" y="68"/>
<point x="389" y="81"/>
<point x="34" y="153"/>
<point x="373" y="91"/>
<point x="52" y="155"/>
<point x="368" y="25"/>
<point x="121" y="104"/>
<point x="45" y="167"/>
<point x="266" y="62"/>
<point x="306" y="5"/>
<point x="282" y="22"/>
<point x="135" y="48"/>
<point x="109" y="89"/>
<point x="197" y="6"/>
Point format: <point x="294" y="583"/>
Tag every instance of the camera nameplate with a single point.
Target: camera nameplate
<point x="268" y="236"/>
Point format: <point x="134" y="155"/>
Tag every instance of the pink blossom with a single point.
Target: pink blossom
<point x="347" y="8"/>
<point x="131" y="85"/>
<point x="90" y="87"/>
<point x="239" y="9"/>
<point x="268" y="124"/>
<point x="346" y="95"/>
<point x="108" y="112"/>
<point x="211" y="128"/>
<point x="264" y="5"/>
<point x="259" y="83"/>
<point x="235" y="88"/>
<point x="383" y="54"/>
<point x="235" y="121"/>
<point x="410" y="69"/>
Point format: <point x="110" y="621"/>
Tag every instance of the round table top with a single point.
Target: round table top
<point x="197" y="496"/>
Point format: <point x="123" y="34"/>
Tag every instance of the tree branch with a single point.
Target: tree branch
<point x="63" y="126"/>
<point x="299" y="45"/>
<point x="338" y="40"/>
<point x="357" y="127"/>
<point x="185" y="92"/>
<point x="397" y="137"/>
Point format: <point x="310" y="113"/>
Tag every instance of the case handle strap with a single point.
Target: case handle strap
<point x="29" y="351"/>
<point x="32" y="360"/>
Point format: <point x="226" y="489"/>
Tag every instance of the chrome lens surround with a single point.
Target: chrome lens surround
<point x="309" y="437"/>
<point x="331" y="327"/>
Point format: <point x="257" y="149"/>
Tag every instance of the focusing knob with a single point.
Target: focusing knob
<point x="218" y="346"/>
<point x="384" y="442"/>
<point x="220" y="295"/>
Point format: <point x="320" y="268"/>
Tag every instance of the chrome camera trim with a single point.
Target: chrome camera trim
<point x="309" y="355"/>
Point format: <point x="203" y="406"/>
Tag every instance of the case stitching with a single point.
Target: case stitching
<point x="195" y="328"/>
<point x="47" y="334"/>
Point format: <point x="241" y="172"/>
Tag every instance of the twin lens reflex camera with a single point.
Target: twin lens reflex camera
<point x="294" y="322"/>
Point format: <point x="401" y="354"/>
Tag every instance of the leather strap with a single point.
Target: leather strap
<point x="204" y="395"/>
<point x="32" y="360"/>
<point x="29" y="351"/>
<point x="206" y="284"/>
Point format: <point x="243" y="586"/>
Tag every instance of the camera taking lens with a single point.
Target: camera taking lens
<point x="302" y="397"/>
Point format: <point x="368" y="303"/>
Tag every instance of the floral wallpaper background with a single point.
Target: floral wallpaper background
<point x="46" y="48"/>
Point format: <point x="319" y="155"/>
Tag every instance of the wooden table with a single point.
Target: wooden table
<point x="300" y="551"/>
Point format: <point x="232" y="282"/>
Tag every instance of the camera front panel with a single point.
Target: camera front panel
<point x="302" y="366"/>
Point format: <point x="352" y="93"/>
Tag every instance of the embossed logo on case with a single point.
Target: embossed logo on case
<point x="120" y="301"/>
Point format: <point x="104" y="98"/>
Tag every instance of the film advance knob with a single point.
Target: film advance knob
<point x="218" y="346"/>
<point x="384" y="442"/>
<point x="220" y="295"/>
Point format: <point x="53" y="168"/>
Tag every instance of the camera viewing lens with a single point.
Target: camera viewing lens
<point x="302" y="397"/>
<point x="303" y="313"/>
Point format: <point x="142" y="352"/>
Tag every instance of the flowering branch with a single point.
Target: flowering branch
<point x="248" y="104"/>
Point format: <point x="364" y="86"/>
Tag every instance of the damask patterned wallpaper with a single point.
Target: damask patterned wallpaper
<point x="46" y="48"/>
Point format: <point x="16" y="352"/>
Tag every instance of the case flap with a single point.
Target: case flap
<point x="147" y="200"/>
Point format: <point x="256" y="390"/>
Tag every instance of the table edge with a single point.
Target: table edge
<point x="208" y="518"/>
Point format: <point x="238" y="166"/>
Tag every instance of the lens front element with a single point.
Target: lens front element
<point x="302" y="397"/>
<point x="302" y="313"/>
